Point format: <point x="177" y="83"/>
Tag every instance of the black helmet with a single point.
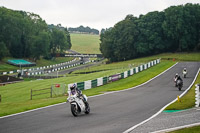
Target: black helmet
<point x="73" y="87"/>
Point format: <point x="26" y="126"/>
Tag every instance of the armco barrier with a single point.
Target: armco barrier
<point x="81" y="85"/>
<point x="104" y="80"/>
<point x="100" y="81"/>
<point x="122" y="75"/>
<point x="94" y="83"/>
<point x="88" y="84"/>
<point x="197" y="95"/>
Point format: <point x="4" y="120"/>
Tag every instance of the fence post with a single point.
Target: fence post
<point x="31" y="94"/>
<point x="197" y="96"/>
<point x="51" y="91"/>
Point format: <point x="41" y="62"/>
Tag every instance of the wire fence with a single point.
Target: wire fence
<point x="55" y="90"/>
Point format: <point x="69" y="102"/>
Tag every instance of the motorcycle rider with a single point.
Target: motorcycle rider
<point x="176" y="76"/>
<point x="184" y="70"/>
<point x="74" y="89"/>
<point x="179" y="78"/>
<point x="175" y="79"/>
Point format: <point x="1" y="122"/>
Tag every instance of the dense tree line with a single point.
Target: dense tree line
<point x="26" y="35"/>
<point x="82" y="29"/>
<point x="176" y="29"/>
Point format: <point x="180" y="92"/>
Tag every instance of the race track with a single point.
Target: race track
<point x="110" y="113"/>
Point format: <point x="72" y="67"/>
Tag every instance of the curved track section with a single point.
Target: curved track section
<point x="111" y="113"/>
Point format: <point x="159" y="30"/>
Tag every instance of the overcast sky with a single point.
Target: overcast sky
<point x="93" y="13"/>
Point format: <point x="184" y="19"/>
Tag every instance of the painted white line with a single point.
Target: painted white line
<point x="177" y="128"/>
<point x="88" y="97"/>
<point x="132" y="128"/>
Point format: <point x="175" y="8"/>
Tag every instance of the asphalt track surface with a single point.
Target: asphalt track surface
<point x="110" y="113"/>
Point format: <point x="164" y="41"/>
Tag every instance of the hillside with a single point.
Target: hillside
<point x="85" y="43"/>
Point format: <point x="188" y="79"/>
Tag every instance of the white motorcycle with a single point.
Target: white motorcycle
<point x="77" y="104"/>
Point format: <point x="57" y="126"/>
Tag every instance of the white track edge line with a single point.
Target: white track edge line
<point x="88" y="97"/>
<point x="132" y="128"/>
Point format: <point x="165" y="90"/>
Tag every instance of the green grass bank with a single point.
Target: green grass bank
<point x="85" y="43"/>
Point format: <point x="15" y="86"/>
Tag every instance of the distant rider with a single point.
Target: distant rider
<point x="176" y="76"/>
<point x="179" y="78"/>
<point x="184" y="70"/>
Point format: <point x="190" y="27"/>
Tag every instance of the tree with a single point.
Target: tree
<point x="151" y="39"/>
<point x="40" y="45"/>
<point x="83" y="29"/>
<point x="59" y="42"/>
<point x="23" y="33"/>
<point x="106" y="45"/>
<point x="102" y="31"/>
<point x="3" y="50"/>
<point x="181" y="25"/>
<point x="175" y="29"/>
<point x="118" y="43"/>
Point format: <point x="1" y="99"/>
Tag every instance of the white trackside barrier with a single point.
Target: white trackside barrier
<point x="104" y="80"/>
<point x="197" y="95"/>
<point x="99" y="81"/>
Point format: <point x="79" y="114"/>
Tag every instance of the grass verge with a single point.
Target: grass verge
<point x="85" y="43"/>
<point x="195" y="129"/>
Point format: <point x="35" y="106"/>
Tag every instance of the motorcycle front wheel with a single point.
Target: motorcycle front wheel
<point x="74" y="110"/>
